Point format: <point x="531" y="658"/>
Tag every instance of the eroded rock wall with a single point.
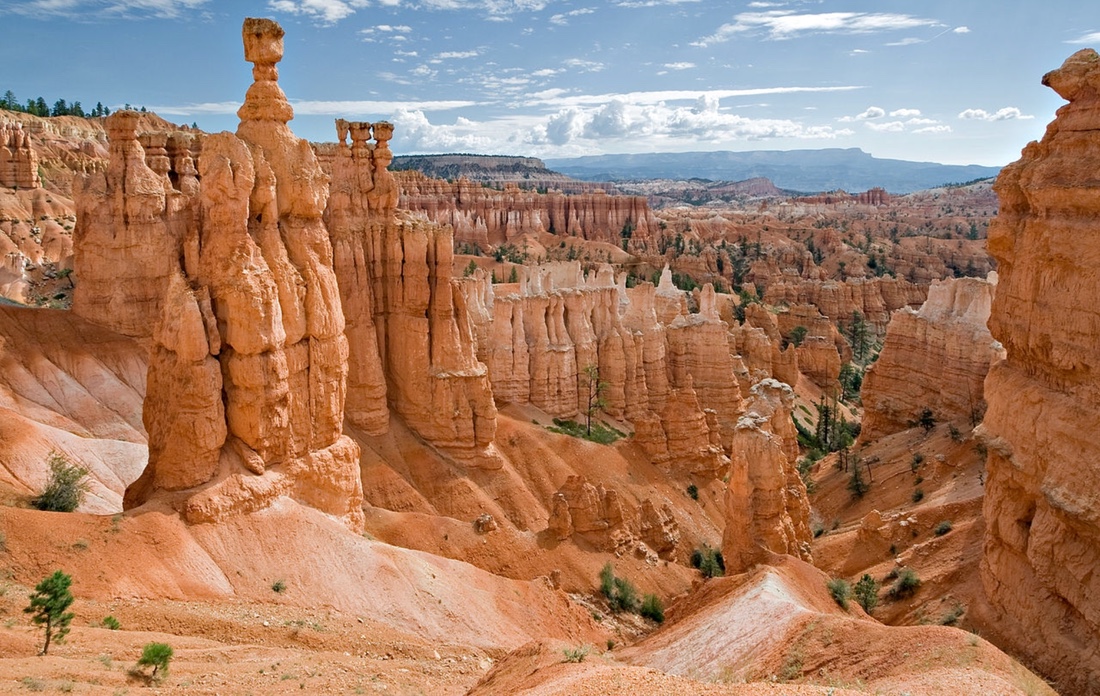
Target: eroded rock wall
<point x="18" y="160"/>
<point x="935" y="358"/>
<point x="1042" y="500"/>
<point x="489" y="217"/>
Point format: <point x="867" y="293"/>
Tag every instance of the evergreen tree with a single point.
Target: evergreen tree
<point x="10" y="102"/>
<point x="48" y="604"/>
<point x="60" y="108"/>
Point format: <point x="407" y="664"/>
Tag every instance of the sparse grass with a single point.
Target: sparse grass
<point x="576" y="654"/>
<point x="952" y="617"/>
<point x="943" y="527"/>
<point x="111" y="623"/>
<point x="841" y="591"/>
<point x="906" y="585"/>
<point x="653" y="608"/>
<point x="278" y="587"/>
<point x="916" y="461"/>
<point x="80" y="545"/>
<point x="34" y="684"/>
<point x="601" y="434"/>
<point x="918" y="495"/>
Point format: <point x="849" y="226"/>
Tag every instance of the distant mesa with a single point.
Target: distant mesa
<point x="807" y="171"/>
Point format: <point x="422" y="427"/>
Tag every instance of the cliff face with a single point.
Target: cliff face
<point x="486" y="216"/>
<point x="874" y="298"/>
<point x="1042" y="501"/>
<point x="935" y="358"/>
<point x="18" y="160"/>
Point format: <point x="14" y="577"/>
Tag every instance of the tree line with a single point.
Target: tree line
<point x="39" y="107"/>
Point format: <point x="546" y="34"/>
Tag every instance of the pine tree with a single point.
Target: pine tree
<point x="48" y="604"/>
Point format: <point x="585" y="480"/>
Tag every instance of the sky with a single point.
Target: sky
<point x="948" y="81"/>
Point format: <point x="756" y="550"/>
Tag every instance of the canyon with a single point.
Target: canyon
<point x="434" y="414"/>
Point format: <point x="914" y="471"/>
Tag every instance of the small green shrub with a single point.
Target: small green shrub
<point x="157" y="656"/>
<point x="953" y="431"/>
<point x="840" y="590"/>
<point x="620" y="593"/>
<point x="944" y="527"/>
<point x="576" y="654"/>
<point x="866" y="593"/>
<point x="916" y="461"/>
<point x="693" y="492"/>
<point x="856" y="485"/>
<point x="652" y="608"/>
<point x="927" y="420"/>
<point x="918" y="495"/>
<point x="279" y="586"/>
<point x="709" y="561"/>
<point x="65" y="488"/>
<point x="111" y="623"/>
<point x="906" y="585"/>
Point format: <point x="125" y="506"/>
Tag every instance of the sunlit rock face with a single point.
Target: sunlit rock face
<point x="1042" y="500"/>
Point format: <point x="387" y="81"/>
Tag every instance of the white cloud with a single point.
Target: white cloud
<point x="447" y="55"/>
<point x="871" y="112"/>
<point x="546" y="72"/>
<point x="1090" y="38"/>
<point x="887" y="127"/>
<point x="1008" y="113"/>
<point x="680" y="66"/>
<point x="584" y="65"/>
<point x="325" y="11"/>
<point x="961" y="30"/>
<point x="161" y="9"/>
<point x="933" y="130"/>
<point x="910" y="41"/>
<point x="563" y="18"/>
<point x="786" y="24"/>
<point x="903" y="113"/>
<point x="659" y="96"/>
<point x="652" y="3"/>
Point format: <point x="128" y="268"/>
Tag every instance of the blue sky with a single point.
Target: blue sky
<point x="937" y="80"/>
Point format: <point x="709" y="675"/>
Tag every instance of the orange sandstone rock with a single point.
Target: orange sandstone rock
<point x="936" y="358"/>
<point x="1042" y="499"/>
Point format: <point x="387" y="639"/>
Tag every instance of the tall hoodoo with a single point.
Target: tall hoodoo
<point x="245" y="398"/>
<point x="18" y="160"/>
<point x="1042" y="500"/>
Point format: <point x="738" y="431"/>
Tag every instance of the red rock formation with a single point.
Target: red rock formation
<point x="130" y="226"/>
<point x="1042" y="545"/>
<point x="406" y="317"/>
<point x="874" y="298"/>
<point x="247" y="371"/>
<point x="18" y="160"/>
<point x="489" y="217"/>
<point x="767" y="509"/>
<point x="936" y="358"/>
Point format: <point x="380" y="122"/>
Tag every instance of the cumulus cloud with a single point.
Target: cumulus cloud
<point x="652" y="3"/>
<point x="584" y="65"/>
<point x="961" y="30"/>
<point x="680" y="66"/>
<point x="1008" y="113"/>
<point x="137" y="9"/>
<point x="903" y="113"/>
<point x="325" y="11"/>
<point x="786" y="24"/>
<point x="448" y="55"/>
<point x="871" y="112"/>
<point x="385" y="32"/>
